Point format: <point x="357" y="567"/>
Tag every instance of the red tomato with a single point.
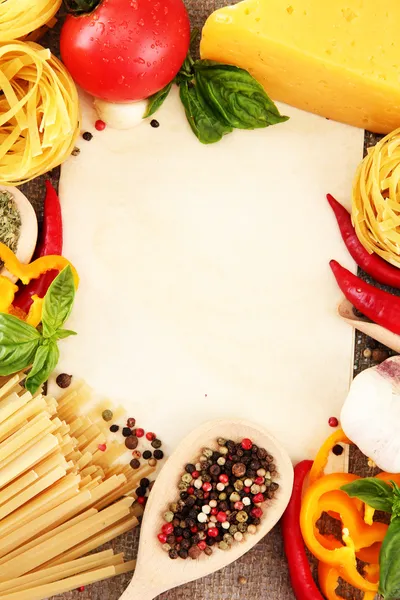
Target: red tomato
<point x="126" y="50"/>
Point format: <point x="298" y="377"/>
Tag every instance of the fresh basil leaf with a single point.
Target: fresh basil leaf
<point x="389" y="562"/>
<point x="234" y="94"/>
<point x="157" y="100"/>
<point x="18" y="344"/>
<point x="204" y="123"/>
<point x="58" y="302"/>
<point x="372" y="491"/>
<point x="45" y="362"/>
<point x="64" y="333"/>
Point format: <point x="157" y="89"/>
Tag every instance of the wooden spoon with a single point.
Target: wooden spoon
<point x="377" y="332"/>
<point x="155" y="571"/>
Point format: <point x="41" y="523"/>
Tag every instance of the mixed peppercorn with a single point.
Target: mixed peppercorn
<point x="220" y="499"/>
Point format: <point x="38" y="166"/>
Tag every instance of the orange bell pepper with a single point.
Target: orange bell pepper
<point x="328" y="579"/>
<point x="26" y="273"/>
<point x="322" y="457"/>
<point x="344" y="557"/>
<point x="367" y="555"/>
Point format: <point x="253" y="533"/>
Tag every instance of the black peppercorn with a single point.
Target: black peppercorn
<point x="171" y="540"/>
<point x="240" y="452"/>
<point x="201" y="526"/>
<point x="178" y="531"/>
<point x="214" y="495"/>
<point x="256" y="521"/>
<point x="147" y="454"/>
<point x="140" y="492"/>
<point x="185" y="544"/>
<point x="215" y="470"/>
<point x="183" y="553"/>
<point x="158" y="454"/>
<point x="184" y="495"/>
<point x="255" y="465"/>
<point x="210" y="541"/>
<point x="337" y="450"/>
<point x="251" y="473"/>
<point x="206" y="478"/>
<point x="154" y="123"/>
<point x="156" y="443"/>
<point x="274" y="486"/>
<point x="192" y="514"/>
<point x="190" y="468"/>
<point x="190" y="522"/>
<point x="261" y="453"/>
<point x="126" y="432"/>
<point x="131" y="442"/>
<point x="195" y="538"/>
<point x="114" y="428"/>
<point x="63" y="380"/>
<point x="135" y="464"/>
<point x="144" y="482"/>
<point x="190" y="501"/>
<point x="173" y="553"/>
<point x="87" y="136"/>
<point x="199" y="494"/>
<point x="186" y="534"/>
<point x="254" y="449"/>
<point x="176" y="522"/>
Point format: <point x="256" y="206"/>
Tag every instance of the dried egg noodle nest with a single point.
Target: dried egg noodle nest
<point x="39" y="112"/>
<point x="20" y="17"/>
<point x="376" y="199"/>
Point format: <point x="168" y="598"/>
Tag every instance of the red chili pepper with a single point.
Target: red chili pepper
<point x="51" y="243"/>
<point x="379" y="306"/>
<point x="372" y="264"/>
<point x="303" y="584"/>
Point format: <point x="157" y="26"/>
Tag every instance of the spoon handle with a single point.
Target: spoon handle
<point x="139" y="590"/>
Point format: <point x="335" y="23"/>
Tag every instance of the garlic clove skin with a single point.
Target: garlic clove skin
<point x="370" y="416"/>
<point x="121" y="116"/>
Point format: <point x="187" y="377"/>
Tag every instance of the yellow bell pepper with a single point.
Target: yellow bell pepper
<point x="328" y="579"/>
<point x="343" y="558"/>
<point x="322" y="457"/>
<point x="26" y="273"/>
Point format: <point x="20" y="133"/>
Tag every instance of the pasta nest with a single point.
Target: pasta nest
<point x="39" y="112"/>
<point x="376" y="199"/>
<point x="20" y="17"/>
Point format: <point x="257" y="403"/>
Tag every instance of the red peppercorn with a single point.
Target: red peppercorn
<point x="258" y="499"/>
<point x="247" y="444"/>
<point x="333" y="422"/>
<point x="162" y="538"/>
<point x="190" y="490"/>
<point x="195" y="474"/>
<point x="238" y="505"/>
<point x="142" y="500"/>
<point x="194" y="529"/>
<point x="259" y="480"/>
<point x="206" y="495"/>
<point x="139" y="432"/>
<point x="102" y="447"/>
<point x="221" y="517"/>
<point x="167" y="528"/>
<point x="223" y="478"/>
<point x="230" y="456"/>
<point x="246" y="489"/>
<point x="202" y="545"/>
<point x="81" y="589"/>
<point x="179" y="539"/>
<point x="207" y="486"/>
<point x="150" y="436"/>
<point x="257" y="512"/>
<point x="100" y="125"/>
<point x="212" y="532"/>
<point x="214" y="511"/>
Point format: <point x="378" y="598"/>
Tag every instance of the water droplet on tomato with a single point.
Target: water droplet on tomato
<point x="140" y="60"/>
<point x="121" y="79"/>
<point x="148" y="64"/>
<point x="105" y="60"/>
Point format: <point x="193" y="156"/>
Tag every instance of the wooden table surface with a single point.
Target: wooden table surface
<point x="264" y="568"/>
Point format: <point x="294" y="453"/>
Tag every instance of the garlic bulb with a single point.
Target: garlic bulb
<point x="121" y="116"/>
<point x="371" y="414"/>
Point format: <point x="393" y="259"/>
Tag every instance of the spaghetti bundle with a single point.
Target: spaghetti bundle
<point x="39" y="112"/>
<point x="20" y="17"/>
<point x="376" y="199"/>
<point x="63" y="493"/>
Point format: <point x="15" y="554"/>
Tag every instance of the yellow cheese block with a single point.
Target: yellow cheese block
<point x="337" y="58"/>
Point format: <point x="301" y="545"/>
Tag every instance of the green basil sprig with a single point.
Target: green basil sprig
<point x="219" y="98"/>
<point x="22" y="346"/>
<point x="382" y="496"/>
<point x="376" y="493"/>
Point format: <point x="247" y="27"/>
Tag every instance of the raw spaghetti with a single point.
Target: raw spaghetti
<point x="376" y="199"/>
<point x="20" y="17"/>
<point x="39" y="112"/>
